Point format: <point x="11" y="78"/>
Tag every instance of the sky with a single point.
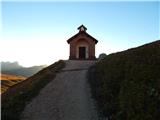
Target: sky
<point x="35" y="33"/>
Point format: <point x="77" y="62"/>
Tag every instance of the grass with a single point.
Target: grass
<point x="14" y="102"/>
<point x="9" y="80"/>
<point x="11" y="77"/>
<point x="126" y="85"/>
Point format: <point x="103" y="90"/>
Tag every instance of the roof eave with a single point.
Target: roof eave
<point x="70" y="39"/>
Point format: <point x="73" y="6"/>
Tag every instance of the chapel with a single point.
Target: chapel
<point x="82" y="45"/>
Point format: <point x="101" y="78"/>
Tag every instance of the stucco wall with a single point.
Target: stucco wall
<point x="82" y="41"/>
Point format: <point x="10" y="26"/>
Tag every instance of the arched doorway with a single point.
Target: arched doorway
<point x="82" y="49"/>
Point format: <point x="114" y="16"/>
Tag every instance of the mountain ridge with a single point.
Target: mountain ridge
<point x="14" y="68"/>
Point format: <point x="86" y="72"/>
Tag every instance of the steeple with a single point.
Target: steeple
<point x="82" y="28"/>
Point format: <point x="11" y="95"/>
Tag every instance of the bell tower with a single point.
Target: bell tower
<point x="82" y="28"/>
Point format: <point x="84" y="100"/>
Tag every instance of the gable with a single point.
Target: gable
<point x="81" y="34"/>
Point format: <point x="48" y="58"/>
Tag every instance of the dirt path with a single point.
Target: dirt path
<point x="67" y="97"/>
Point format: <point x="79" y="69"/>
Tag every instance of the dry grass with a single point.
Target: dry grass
<point x="11" y="77"/>
<point x="9" y="80"/>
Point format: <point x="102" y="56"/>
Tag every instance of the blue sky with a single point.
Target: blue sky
<point x="39" y="30"/>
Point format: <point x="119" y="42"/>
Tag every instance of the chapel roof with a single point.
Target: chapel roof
<point x="82" y="31"/>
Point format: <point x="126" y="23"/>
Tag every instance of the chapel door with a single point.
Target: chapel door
<point x="82" y="52"/>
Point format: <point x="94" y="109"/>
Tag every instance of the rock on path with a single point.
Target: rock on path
<point x="67" y="97"/>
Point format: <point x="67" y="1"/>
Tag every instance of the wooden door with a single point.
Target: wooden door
<point x="82" y="52"/>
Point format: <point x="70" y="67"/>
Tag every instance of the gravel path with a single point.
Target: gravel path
<point x="67" y="97"/>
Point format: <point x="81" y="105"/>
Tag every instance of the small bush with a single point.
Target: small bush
<point x="102" y="56"/>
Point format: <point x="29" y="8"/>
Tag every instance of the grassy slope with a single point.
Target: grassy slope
<point x="9" y="80"/>
<point x="126" y="85"/>
<point x="15" y="98"/>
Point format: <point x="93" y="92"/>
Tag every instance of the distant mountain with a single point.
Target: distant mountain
<point x="15" y="69"/>
<point x="10" y="66"/>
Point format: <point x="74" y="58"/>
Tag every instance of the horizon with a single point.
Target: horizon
<point x="36" y="34"/>
<point x="60" y="59"/>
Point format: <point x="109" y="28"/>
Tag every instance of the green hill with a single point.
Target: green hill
<point x="126" y="85"/>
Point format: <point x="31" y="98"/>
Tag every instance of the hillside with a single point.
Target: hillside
<point x="16" y="97"/>
<point x="126" y="85"/>
<point x="16" y="69"/>
<point x="9" y="80"/>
